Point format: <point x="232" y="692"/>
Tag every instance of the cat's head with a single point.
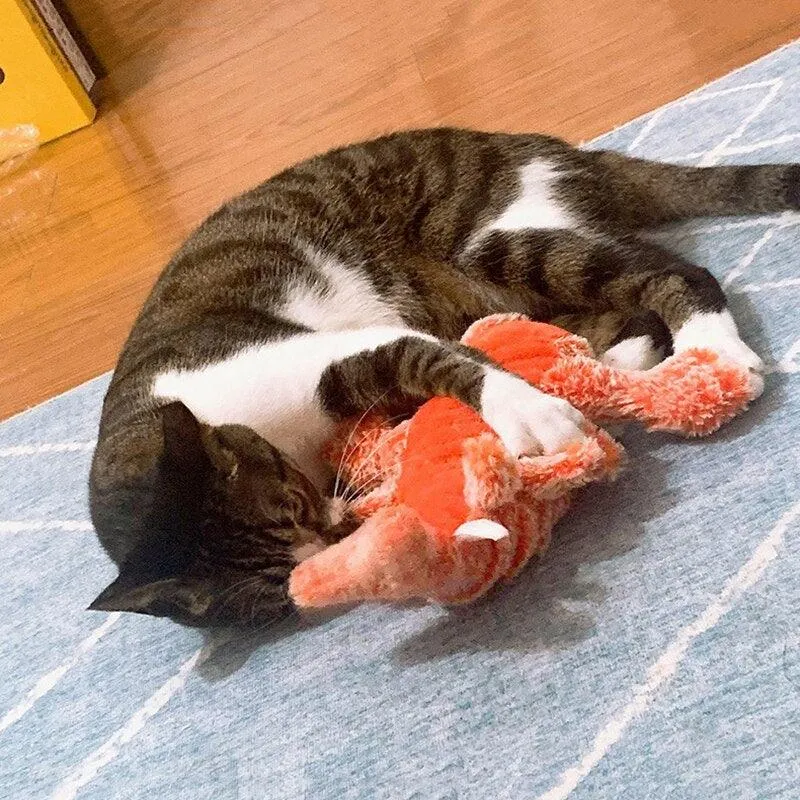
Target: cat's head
<point x="208" y="530"/>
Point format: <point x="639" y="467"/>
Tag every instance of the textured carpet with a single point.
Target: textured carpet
<point x="653" y="654"/>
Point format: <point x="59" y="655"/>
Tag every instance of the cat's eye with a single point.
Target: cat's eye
<point x="297" y="506"/>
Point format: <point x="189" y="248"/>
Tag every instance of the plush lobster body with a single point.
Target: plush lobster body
<point x="448" y="512"/>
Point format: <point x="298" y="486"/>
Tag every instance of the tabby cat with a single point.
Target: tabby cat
<point x="341" y="285"/>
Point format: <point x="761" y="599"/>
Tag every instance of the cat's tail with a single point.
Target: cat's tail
<point x="648" y="193"/>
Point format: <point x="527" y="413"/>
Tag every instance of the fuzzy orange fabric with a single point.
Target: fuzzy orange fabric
<point x="435" y="484"/>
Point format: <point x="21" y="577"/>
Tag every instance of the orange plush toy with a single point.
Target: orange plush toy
<point x="448" y="511"/>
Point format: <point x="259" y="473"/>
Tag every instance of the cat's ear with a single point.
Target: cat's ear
<point x="178" y="597"/>
<point x="183" y="438"/>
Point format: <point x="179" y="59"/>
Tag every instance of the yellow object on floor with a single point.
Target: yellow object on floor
<point x="44" y="78"/>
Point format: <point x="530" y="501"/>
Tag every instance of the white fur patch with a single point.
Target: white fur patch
<point x="635" y="353"/>
<point x="717" y="331"/>
<point x="272" y="389"/>
<point x="337" y="508"/>
<point x="527" y="420"/>
<point x="347" y="302"/>
<point x="535" y="206"/>
<point x="481" y="529"/>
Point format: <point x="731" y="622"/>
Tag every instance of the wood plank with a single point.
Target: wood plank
<point x="207" y="97"/>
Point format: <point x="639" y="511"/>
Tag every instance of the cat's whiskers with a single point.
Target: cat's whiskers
<point x="262" y="592"/>
<point x="350" y="439"/>
<point x="238" y="588"/>
<point x="259" y="594"/>
<point x="349" y="495"/>
<point x="368" y="483"/>
<point x="404" y="461"/>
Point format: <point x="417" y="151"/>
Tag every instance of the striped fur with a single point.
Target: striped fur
<point x="335" y="287"/>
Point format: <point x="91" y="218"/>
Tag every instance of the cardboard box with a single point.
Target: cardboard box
<point x="45" y="77"/>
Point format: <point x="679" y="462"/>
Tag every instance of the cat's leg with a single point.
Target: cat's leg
<point x="642" y="342"/>
<point x="626" y="342"/>
<point x="635" y="193"/>
<point x="416" y="367"/>
<point x="686" y="297"/>
<point x="585" y="270"/>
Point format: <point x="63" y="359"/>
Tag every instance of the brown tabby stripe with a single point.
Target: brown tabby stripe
<point x="246" y="216"/>
<point x="531" y="251"/>
<point x="342" y="183"/>
<point x="486" y="259"/>
<point x="304" y="201"/>
<point x="475" y="197"/>
<point x="251" y="213"/>
<point x="659" y="281"/>
<point x="399" y="373"/>
<point x="644" y="193"/>
<point x="438" y="186"/>
<point x="299" y="178"/>
<point x="514" y="259"/>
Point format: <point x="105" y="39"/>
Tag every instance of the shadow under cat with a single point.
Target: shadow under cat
<point x="533" y="612"/>
<point x="549" y="606"/>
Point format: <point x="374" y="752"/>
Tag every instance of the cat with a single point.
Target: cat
<point x="342" y="284"/>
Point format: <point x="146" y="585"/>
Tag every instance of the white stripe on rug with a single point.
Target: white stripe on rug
<point x="46" y="447"/>
<point x="87" y="770"/>
<point x="717" y="153"/>
<point x="48" y="681"/>
<point x="750" y="255"/>
<point x="694" y="99"/>
<point x="741" y="149"/>
<point x="34" y="525"/>
<point x="786" y="219"/>
<point x="789" y="362"/>
<point x="667" y="665"/>
<point x="786" y="283"/>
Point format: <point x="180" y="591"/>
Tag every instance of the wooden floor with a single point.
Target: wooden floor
<point x="207" y="97"/>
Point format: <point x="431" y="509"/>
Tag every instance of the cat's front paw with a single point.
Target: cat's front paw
<point x="528" y="421"/>
<point x="718" y="332"/>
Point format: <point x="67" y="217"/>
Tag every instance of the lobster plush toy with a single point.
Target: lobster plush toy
<point x="448" y="512"/>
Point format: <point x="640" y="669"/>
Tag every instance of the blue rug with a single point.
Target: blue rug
<point x="653" y="654"/>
